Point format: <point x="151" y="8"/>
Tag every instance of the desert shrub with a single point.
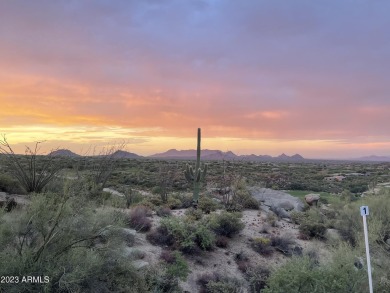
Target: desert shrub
<point x="179" y="267"/>
<point x="297" y="217"/>
<point x="158" y="280"/>
<point x="221" y="241"/>
<point x="272" y="219"/>
<point x="163" y="212"/>
<point x="53" y="237"/>
<point x="242" y="261"/>
<point x="207" y="204"/>
<point x="118" y="202"/>
<point x="174" y="203"/>
<point x="7" y="183"/>
<point x="132" y="197"/>
<point x="168" y="256"/>
<point x="181" y="232"/>
<point x="138" y="219"/>
<point x="313" y="224"/>
<point x="262" y="246"/>
<point x="160" y="236"/>
<point x="257" y="278"/>
<point x="145" y="203"/>
<point x="185" y="236"/>
<point x="215" y="283"/>
<point x="312" y="230"/>
<point x="282" y="243"/>
<point x="185" y="199"/>
<point x="193" y="214"/>
<point x="157" y="201"/>
<point x="32" y="171"/>
<point x="204" y="237"/>
<point x="225" y="285"/>
<point x="243" y="198"/>
<point x="265" y="229"/>
<point x="226" y="224"/>
<point x="350" y="225"/>
<point x="300" y="274"/>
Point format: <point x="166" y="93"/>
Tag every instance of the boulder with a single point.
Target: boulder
<point x="139" y="264"/>
<point x="270" y="197"/>
<point x="312" y="199"/>
<point x="281" y="213"/>
<point x="286" y="205"/>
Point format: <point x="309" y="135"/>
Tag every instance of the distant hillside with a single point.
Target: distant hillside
<point x="63" y="153"/>
<point x="125" y="155"/>
<point x="374" y="158"/>
<point x="184" y="154"/>
<point x="220" y="155"/>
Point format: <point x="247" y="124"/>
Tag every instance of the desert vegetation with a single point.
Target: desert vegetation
<point x="131" y="226"/>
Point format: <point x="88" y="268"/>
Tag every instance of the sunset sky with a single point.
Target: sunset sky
<point x="262" y="77"/>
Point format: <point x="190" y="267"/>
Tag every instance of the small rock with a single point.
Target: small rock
<point x="139" y="264"/>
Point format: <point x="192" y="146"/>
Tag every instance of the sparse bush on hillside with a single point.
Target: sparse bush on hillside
<point x="226" y="224"/>
<point x="193" y="214"/>
<point x="181" y="232"/>
<point x="160" y="236"/>
<point x="262" y="246"/>
<point x="282" y="244"/>
<point x="163" y="212"/>
<point x="207" y="204"/>
<point x="204" y="237"/>
<point x="300" y="274"/>
<point x="313" y="224"/>
<point x="10" y="185"/>
<point x="215" y="283"/>
<point x="158" y="280"/>
<point x="221" y="241"/>
<point x="138" y="219"/>
<point x="257" y="278"/>
<point x="53" y="237"/>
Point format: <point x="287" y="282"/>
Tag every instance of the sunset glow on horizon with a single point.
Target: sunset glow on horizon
<point x="261" y="77"/>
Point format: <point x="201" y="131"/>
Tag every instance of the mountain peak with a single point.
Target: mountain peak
<point x="63" y="153"/>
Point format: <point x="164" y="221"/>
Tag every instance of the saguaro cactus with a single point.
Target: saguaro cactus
<point x="197" y="175"/>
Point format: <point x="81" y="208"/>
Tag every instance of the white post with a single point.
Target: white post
<point x="364" y="212"/>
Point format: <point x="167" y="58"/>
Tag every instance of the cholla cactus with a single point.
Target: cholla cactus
<point x="197" y="175"/>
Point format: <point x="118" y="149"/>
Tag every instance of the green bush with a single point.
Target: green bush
<point x="204" y="237"/>
<point x="257" y="278"/>
<point x="226" y="224"/>
<point x="10" y="185"/>
<point x="242" y="198"/>
<point x="301" y="274"/>
<point x="262" y="246"/>
<point x="53" y="237"/>
<point x="182" y="233"/>
<point x="207" y="204"/>
<point x="313" y="224"/>
<point x="179" y="268"/>
<point x="193" y="214"/>
<point x="215" y="283"/>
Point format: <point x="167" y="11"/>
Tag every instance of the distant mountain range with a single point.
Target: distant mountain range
<point x="374" y="159"/>
<point x="219" y="155"/>
<point x="118" y="154"/>
<point x="191" y="154"/>
<point x="215" y="155"/>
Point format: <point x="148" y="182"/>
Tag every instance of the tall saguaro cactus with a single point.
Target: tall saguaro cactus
<point x="197" y="175"/>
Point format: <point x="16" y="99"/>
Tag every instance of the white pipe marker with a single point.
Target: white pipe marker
<point x="365" y="212"/>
